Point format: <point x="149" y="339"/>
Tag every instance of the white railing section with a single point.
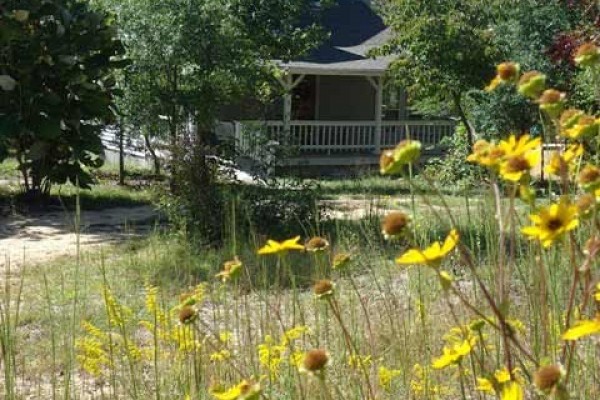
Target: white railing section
<point x="338" y="137"/>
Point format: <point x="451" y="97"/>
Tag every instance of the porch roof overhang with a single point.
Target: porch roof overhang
<point x="345" y="57"/>
<point x="364" y="67"/>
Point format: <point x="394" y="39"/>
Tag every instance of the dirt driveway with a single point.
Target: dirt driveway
<point x="37" y="238"/>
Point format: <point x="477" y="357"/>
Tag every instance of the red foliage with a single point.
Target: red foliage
<point x="563" y="48"/>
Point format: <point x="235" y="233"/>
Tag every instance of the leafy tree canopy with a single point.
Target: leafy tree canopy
<point x="447" y="51"/>
<point x="192" y="56"/>
<point x="56" y="58"/>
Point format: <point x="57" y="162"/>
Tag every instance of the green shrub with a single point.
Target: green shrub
<point x="451" y="169"/>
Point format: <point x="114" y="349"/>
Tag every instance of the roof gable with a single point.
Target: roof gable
<point x="354" y="30"/>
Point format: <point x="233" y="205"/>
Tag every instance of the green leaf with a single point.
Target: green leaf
<point x="49" y="129"/>
<point x="9" y="125"/>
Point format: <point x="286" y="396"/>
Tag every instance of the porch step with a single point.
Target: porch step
<point x="344" y="160"/>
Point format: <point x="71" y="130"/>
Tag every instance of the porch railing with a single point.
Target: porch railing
<point x="338" y="137"/>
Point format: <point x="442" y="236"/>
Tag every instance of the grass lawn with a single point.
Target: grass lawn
<point x="140" y="189"/>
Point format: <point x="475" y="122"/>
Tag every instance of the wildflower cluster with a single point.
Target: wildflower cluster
<point x="512" y="162"/>
<point x="486" y="353"/>
<point x="272" y="353"/>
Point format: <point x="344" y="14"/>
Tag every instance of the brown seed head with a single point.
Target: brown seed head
<point x="323" y="287"/>
<point x="547" y="377"/>
<point x="187" y="314"/>
<point x="589" y="174"/>
<point x="586" y="49"/>
<point x="585" y="202"/>
<point x="507" y="70"/>
<point x="317" y="243"/>
<point x="517" y="164"/>
<point x="394" y="223"/>
<point x="550" y="96"/>
<point x="315" y="360"/>
<point x="386" y="159"/>
<point x="554" y="224"/>
<point x="245" y="387"/>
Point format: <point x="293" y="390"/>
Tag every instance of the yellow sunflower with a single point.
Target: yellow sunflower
<point x="519" y="156"/>
<point x="586" y="126"/>
<point x="512" y="391"/>
<point x="245" y="390"/>
<point x="518" y="146"/>
<point x="567" y="160"/>
<point x="454" y="354"/>
<point x="274" y="247"/>
<point x="486" y="154"/>
<point x="432" y="255"/>
<point x="583" y="328"/>
<point x="515" y="167"/>
<point x="552" y="221"/>
<point x="231" y="269"/>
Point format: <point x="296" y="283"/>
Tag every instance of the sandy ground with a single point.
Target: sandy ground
<point x="34" y="239"/>
<point x="37" y="238"/>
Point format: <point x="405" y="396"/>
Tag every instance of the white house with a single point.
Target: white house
<point x="338" y="108"/>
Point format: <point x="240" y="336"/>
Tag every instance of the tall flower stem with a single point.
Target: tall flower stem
<point x="352" y="348"/>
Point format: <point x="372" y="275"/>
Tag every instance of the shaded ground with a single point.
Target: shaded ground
<point x="37" y="238"/>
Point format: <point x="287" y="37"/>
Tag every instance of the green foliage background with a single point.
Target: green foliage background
<point x="61" y="54"/>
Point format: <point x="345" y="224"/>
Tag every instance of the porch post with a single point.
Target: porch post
<point x="378" y="113"/>
<point x="287" y="104"/>
<point x="288" y="84"/>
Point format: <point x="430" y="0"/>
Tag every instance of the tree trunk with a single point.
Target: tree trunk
<point x="121" y="157"/>
<point x="23" y="170"/>
<point x="155" y="158"/>
<point x="457" y="98"/>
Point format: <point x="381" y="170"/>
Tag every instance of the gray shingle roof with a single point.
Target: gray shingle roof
<point x="354" y="29"/>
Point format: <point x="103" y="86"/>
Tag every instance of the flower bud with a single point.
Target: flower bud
<point x="587" y="55"/>
<point x="406" y="152"/>
<point x="394" y="224"/>
<point x="569" y="118"/>
<point x="548" y="377"/>
<point x="315" y="360"/>
<point x="323" y="288"/>
<point x="532" y="84"/>
<point x="552" y="102"/>
<point x="589" y="178"/>
<point x="508" y="71"/>
<point x="187" y="315"/>
<point x="316" y="244"/>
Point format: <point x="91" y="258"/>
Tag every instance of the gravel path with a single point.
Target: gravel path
<point x="37" y="238"/>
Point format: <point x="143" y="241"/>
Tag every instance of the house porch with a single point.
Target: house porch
<point x="337" y="143"/>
